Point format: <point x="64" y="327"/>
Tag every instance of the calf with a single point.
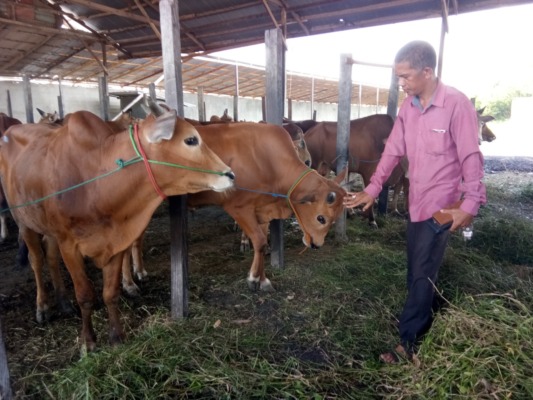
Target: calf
<point x="271" y="183"/>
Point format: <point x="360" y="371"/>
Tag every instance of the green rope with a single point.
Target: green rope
<point x="121" y="164"/>
<point x="303" y="175"/>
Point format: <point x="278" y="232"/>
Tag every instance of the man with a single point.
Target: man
<point x="437" y="130"/>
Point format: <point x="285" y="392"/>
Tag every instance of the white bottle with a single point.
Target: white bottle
<point x="468" y="232"/>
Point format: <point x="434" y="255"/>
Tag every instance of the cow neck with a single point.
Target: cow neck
<point x="292" y="188"/>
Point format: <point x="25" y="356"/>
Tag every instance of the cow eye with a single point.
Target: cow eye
<point x="191" y="141"/>
<point x="321" y="219"/>
<point x="331" y="197"/>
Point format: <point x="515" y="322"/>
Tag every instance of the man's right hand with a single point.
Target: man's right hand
<point x="355" y="199"/>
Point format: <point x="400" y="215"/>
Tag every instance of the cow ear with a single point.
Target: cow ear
<point x="340" y="177"/>
<point x="163" y="127"/>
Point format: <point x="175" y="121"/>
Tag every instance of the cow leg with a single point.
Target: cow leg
<point x="137" y="256"/>
<point x="395" y="196"/>
<point x="128" y="284"/>
<point x="245" y="243"/>
<point x="36" y="258"/>
<point x="52" y="261"/>
<point x="85" y="294"/>
<point x="133" y="252"/>
<point x="111" y="293"/>
<point x="22" y="254"/>
<point x="257" y="279"/>
<point x="369" y="213"/>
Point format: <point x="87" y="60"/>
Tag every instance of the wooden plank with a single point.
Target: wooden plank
<point x="343" y="130"/>
<point x="179" y="260"/>
<point x="274" y="103"/>
<point x="5" y="386"/>
<point x="28" y="102"/>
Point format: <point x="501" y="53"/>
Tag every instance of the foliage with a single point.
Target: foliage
<point x="500" y="108"/>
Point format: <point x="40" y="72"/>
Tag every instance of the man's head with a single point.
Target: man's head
<point x="414" y="66"/>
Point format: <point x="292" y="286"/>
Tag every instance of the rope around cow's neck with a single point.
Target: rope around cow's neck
<point x="141" y="156"/>
<point x="288" y="195"/>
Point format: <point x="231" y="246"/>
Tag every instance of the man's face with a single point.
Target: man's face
<point x="412" y="81"/>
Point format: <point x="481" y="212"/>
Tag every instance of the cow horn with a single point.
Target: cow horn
<point x="41" y="111"/>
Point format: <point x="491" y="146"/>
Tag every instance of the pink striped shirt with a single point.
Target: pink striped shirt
<point x="441" y="144"/>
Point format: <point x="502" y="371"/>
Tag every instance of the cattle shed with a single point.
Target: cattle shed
<point x="82" y="40"/>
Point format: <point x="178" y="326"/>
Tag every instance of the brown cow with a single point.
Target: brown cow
<point x="107" y="208"/>
<point x="271" y="183"/>
<point x="136" y="260"/>
<point x="5" y="122"/>
<point x="225" y="117"/>
<point x="297" y="136"/>
<point x="485" y="134"/>
<point x="367" y="141"/>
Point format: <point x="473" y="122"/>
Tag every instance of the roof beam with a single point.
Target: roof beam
<point x="110" y="10"/>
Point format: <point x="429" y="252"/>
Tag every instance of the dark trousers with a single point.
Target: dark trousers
<point x="425" y="252"/>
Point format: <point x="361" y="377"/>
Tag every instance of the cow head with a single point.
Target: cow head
<point x="485" y="134"/>
<point x="180" y="160"/>
<point x="317" y="204"/>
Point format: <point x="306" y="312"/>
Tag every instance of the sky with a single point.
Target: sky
<point x="485" y="53"/>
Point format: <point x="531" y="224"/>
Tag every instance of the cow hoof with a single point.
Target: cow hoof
<point x="141" y="274"/>
<point x="373" y="225"/>
<point x="132" y="290"/>
<point x="116" y="338"/>
<point x="66" y="307"/>
<point x="266" y="286"/>
<point x="253" y="285"/>
<point x="42" y="316"/>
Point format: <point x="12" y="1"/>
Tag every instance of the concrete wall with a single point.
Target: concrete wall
<point x="45" y="97"/>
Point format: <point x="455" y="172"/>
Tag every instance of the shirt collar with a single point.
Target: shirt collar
<point x="436" y="100"/>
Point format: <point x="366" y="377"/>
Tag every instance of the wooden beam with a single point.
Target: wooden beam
<point x="170" y="31"/>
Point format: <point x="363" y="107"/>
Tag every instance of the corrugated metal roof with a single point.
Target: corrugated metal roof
<point x="33" y="43"/>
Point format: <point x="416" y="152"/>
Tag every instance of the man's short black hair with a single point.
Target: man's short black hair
<point x="418" y="54"/>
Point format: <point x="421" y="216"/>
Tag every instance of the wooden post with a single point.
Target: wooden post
<point x="236" y="96"/>
<point x="171" y="46"/>
<point x="61" y="111"/>
<point x="392" y="110"/>
<point x="103" y="88"/>
<point x="104" y="100"/>
<point x="275" y="100"/>
<point x="5" y="385"/>
<point x="201" y="104"/>
<point x="312" y="96"/>
<point x="289" y="109"/>
<point x="152" y="92"/>
<point x="28" y="102"/>
<point x="443" y="31"/>
<point x="392" y="101"/>
<point x="9" y="108"/>
<point x="343" y="130"/>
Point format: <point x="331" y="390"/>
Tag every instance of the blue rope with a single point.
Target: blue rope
<point x="283" y="196"/>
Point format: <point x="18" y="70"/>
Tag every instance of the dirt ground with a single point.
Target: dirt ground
<point x="213" y="245"/>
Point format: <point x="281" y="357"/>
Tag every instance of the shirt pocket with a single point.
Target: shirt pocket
<point x="437" y="138"/>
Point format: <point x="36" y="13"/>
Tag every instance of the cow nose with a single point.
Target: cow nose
<point x="230" y="175"/>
